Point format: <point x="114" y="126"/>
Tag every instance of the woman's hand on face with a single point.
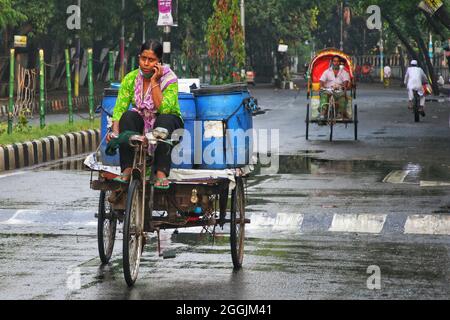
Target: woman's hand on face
<point x="158" y="73"/>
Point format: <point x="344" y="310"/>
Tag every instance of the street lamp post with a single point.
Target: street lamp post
<point x="243" y="17"/>
<point x="167" y="45"/>
<point x="430" y="47"/>
<point x="143" y="28"/>
<point x="342" y="26"/>
<point x="381" y="54"/>
<point x="122" y="44"/>
<point x="77" y="61"/>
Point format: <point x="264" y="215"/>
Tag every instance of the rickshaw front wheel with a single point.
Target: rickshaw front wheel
<point x="133" y="235"/>
<point x="106" y="228"/>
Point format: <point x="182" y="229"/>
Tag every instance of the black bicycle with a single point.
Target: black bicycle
<point x="416" y="106"/>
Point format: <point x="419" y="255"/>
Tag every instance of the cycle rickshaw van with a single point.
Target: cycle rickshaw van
<point x="210" y="198"/>
<point x="317" y="67"/>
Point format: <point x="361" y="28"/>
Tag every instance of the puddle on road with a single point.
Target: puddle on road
<point x="438" y="172"/>
<point x="67" y="165"/>
<point x="305" y="164"/>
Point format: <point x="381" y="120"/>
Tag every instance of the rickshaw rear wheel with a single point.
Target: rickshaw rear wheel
<point x="416" y="107"/>
<point x="237" y="226"/>
<point x="331" y="131"/>
<point x="307" y="122"/>
<point x="356" y="122"/>
<point x="132" y="233"/>
<point x="106" y="228"/>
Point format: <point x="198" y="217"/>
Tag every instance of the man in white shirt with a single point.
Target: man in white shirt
<point x="414" y="80"/>
<point x="441" y="81"/>
<point x="334" y="78"/>
<point x="387" y="76"/>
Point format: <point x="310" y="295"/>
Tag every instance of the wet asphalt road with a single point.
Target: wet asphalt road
<point x="320" y="224"/>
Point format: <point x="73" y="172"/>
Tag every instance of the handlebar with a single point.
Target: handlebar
<point x="332" y="91"/>
<point x="136" y="141"/>
<point x="153" y="137"/>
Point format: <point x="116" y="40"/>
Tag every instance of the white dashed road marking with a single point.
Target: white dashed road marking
<point x="361" y="223"/>
<point x="396" y="177"/>
<point x="428" y="224"/>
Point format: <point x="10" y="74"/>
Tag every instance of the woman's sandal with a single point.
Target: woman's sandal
<point x="162" y="184"/>
<point x="124" y="178"/>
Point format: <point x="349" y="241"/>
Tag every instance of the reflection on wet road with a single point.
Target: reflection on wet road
<point x="315" y="231"/>
<point x="320" y="224"/>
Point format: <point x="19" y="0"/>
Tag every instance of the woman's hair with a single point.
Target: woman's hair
<point x="153" y="45"/>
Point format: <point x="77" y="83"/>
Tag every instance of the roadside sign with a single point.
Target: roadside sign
<point x="431" y="6"/>
<point x="20" y="41"/>
<point x="165" y="13"/>
<point x="283" y="48"/>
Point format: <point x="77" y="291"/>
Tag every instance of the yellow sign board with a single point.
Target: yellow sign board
<point x="20" y="41"/>
<point x="431" y="6"/>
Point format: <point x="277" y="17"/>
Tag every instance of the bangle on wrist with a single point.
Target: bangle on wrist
<point x="154" y="86"/>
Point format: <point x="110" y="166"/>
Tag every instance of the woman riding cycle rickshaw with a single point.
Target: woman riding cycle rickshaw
<point x="331" y="105"/>
<point x="147" y="185"/>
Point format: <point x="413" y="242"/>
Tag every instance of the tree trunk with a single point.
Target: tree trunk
<point x="402" y="67"/>
<point x="443" y="17"/>
<point x="435" y="26"/>
<point x="431" y="73"/>
<point x="402" y="38"/>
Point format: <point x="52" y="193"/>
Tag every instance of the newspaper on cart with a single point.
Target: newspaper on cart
<point x="179" y="175"/>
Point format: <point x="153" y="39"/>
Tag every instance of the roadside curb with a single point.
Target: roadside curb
<point x="29" y="153"/>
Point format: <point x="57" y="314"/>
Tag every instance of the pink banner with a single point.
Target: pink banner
<point x="165" y="13"/>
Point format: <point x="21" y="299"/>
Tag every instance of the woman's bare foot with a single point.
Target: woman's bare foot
<point x="161" y="180"/>
<point x="125" y="176"/>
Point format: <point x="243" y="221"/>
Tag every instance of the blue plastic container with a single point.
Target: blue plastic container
<point x="183" y="154"/>
<point x="108" y="104"/>
<point x="223" y="113"/>
<point x="188" y="112"/>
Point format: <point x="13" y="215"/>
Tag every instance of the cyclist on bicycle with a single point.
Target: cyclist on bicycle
<point x="336" y="78"/>
<point x="415" y="78"/>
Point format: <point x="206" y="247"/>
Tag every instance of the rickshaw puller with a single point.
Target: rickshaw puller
<point x="336" y="77"/>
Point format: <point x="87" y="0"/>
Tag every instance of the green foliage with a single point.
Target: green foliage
<point x="225" y="39"/>
<point x="8" y="15"/>
<point x="3" y="128"/>
<point x="213" y="28"/>
<point x="23" y="132"/>
<point x="39" y="14"/>
<point x="22" y="124"/>
<point x="188" y="39"/>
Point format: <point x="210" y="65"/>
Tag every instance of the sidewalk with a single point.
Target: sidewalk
<point x="445" y="90"/>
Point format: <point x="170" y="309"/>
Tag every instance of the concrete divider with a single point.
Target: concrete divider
<point x="70" y="144"/>
<point x="51" y="148"/>
<point x="2" y="159"/>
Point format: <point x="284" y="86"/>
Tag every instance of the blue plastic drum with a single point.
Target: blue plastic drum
<point x="108" y="104"/>
<point x="183" y="154"/>
<point x="222" y="112"/>
<point x="186" y="147"/>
